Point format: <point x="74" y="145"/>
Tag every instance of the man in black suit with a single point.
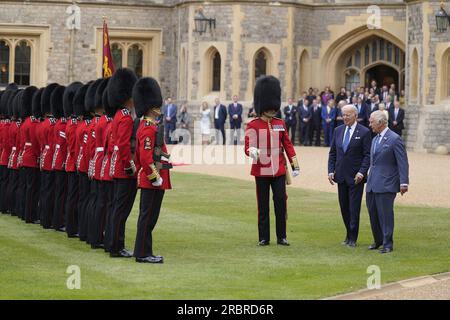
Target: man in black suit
<point x="290" y="118"/>
<point x="220" y="116"/>
<point x="316" y="122"/>
<point x="235" y="111"/>
<point x="304" y="115"/>
<point x="396" y="117"/>
<point x="348" y="164"/>
<point x="375" y="88"/>
<point x="373" y="106"/>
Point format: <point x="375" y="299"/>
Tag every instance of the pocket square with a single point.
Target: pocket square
<point x="357" y="138"/>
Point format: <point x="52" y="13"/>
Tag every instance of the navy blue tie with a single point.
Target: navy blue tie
<point x="347" y="139"/>
<point x="377" y="141"/>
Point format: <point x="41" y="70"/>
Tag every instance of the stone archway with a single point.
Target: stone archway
<point x="383" y="74"/>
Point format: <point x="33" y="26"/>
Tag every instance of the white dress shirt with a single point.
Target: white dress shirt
<point x="352" y="130"/>
<point x="216" y="116"/>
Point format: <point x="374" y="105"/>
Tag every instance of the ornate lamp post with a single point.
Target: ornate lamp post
<point x="202" y="22"/>
<point x="442" y="19"/>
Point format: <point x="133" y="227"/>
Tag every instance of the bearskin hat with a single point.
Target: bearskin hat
<point x="45" y="98"/>
<point x="36" y="103"/>
<point x="99" y="94"/>
<point x="120" y="87"/>
<point x="146" y="95"/>
<point x="56" y="102"/>
<point x="26" y="101"/>
<point x="78" y="100"/>
<point x="267" y="94"/>
<point x="69" y="94"/>
<point x="89" y="100"/>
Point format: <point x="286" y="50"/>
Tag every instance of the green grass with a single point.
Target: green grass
<point x="207" y="233"/>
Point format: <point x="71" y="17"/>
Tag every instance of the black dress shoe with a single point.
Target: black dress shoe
<point x="351" y="244"/>
<point x="124" y="253"/>
<point x="386" y="250"/>
<point x="283" y="242"/>
<point x="62" y="229"/>
<point x="98" y="246"/>
<point x="150" y="259"/>
<point x="74" y="235"/>
<point x="263" y="243"/>
<point x="345" y="242"/>
<point x="374" y="246"/>
<point x="37" y="222"/>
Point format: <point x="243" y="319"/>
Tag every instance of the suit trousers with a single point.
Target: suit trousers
<point x="278" y="185"/>
<point x="71" y="209"/>
<point x="381" y="212"/>
<point x="91" y="204"/>
<point x="350" y="197"/>
<point x="124" y="195"/>
<point x="149" y="208"/>
<point x="4" y="175"/>
<point x="109" y="193"/>
<point x="48" y="198"/>
<point x="60" y="200"/>
<point x="33" y="176"/>
<point x="292" y="128"/>
<point x="13" y="185"/>
<point x="314" y="133"/>
<point x="97" y="224"/>
<point x="305" y="131"/>
<point x="220" y="127"/>
<point x="235" y="131"/>
<point x="83" y="201"/>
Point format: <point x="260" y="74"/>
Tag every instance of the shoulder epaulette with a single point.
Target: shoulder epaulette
<point x="63" y="120"/>
<point x="88" y="121"/>
<point x="52" y="120"/>
<point x="74" y="120"/>
<point x="109" y="118"/>
<point x="125" y="112"/>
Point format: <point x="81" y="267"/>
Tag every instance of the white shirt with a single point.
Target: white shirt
<point x="352" y="130"/>
<point x="216" y="116"/>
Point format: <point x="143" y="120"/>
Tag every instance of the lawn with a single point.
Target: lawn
<point x="207" y="233"/>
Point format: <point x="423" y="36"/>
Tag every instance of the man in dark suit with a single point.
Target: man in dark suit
<point x="396" y="117"/>
<point x="373" y="106"/>
<point x="304" y="115"/>
<point x="290" y="118"/>
<point x="220" y="116"/>
<point x="316" y="122"/>
<point x="348" y="163"/>
<point x="388" y="175"/>
<point x="170" y="120"/>
<point x="235" y="111"/>
<point x="362" y="112"/>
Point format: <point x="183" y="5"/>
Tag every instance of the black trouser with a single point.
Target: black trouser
<point x="235" y="128"/>
<point x="124" y="195"/>
<point x="292" y="128"/>
<point x="315" y="131"/>
<point x="83" y="201"/>
<point x="90" y="212"/>
<point x="41" y="196"/>
<point x="71" y="211"/>
<point x="21" y="194"/>
<point x="4" y="173"/>
<point x="304" y="132"/>
<point x="60" y="199"/>
<point x="278" y="185"/>
<point x="48" y="198"/>
<point x="350" y="197"/>
<point x="149" y="209"/>
<point x="220" y="127"/>
<point x="109" y="192"/>
<point x="13" y="184"/>
<point x="33" y="176"/>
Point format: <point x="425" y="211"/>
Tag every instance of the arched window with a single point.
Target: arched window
<point x="117" y="55"/>
<point x="216" y="68"/>
<point x="22" y="64"/>
<point x="260" y="65"/>
<point x="374" y="51"/>
<point x="397" y="56"/>
<point x="358" y="59"/>
<point x="381" y="49"/>
<point x="389" y="52"/>
<point x="414" y="75"/>
<point x="352" y="79"/>
<point x="366" y="55"/>
<point x="4" y="63"/>
<point x="135" y="55"/>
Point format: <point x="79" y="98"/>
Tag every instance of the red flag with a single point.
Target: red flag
<point x="108" y="64"/>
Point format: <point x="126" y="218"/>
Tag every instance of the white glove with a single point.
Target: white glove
<point x="254" y="153"/>
<point x="295" y="173"/>
<point x="158" y="183"/>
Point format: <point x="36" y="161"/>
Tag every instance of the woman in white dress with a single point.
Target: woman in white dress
<point x="205" y="124"/>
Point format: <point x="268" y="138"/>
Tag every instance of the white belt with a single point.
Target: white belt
<point x="116" y="148"/>
<point x="14" y="148"/>
<point x="100" y="149"/>
<point x="28" y="144"/>
<point x="58" y="146"/>
<point x="47" y="146"/>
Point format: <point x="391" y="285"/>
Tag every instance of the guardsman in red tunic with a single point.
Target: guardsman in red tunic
<point x="123" y="169"/>
<point x="266" y="140"/>
<point x="31" y="108"/>
<point x="105" y="176"/>
<point x="71" y="210"/>
<point x="81" y="166"/>
<point x="59" y="157"/>
<point x="12" y="160"/>
<point x="48" y="143"/>
<point x="152" y="165"/>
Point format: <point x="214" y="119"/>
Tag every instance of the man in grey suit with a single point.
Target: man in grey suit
<point x="388" y="175"/>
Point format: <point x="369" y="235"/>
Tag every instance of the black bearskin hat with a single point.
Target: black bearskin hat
<point x="78" y="100"/>
<point x="89" y="100"/>
<point x="36" y="103"/>
<point x="267" y="94"/>
<point x="110" y="112"/>
<point x="16" y="107"/>
<point x="146" y="95"/>
<point x="27" y="102"/>
<point x="120" y="87"/>
<point x="11" y="103"/>
<point x="45" y="98"/>
<point x="56" y="102"/>
<point x="99" y="94"/>
<point x="69" y="93"/>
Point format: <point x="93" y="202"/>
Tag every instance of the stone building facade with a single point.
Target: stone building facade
<point x="305" y="43"/>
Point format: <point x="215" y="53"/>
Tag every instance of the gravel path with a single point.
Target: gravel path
<point x="429" y="173"/>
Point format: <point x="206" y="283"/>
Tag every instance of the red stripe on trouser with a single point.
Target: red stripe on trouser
<point x="146" y="225"/>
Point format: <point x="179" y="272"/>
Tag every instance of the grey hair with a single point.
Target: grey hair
<point x="351" y="106"/>
<point x="380" y="117"/>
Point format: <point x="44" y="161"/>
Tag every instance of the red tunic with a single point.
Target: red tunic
<point x="122" y="130"/>
<point x="31" y="146"/>
<point x="48" y="143"/>
<point x="17" y="162"/>
<point x="145" y="144"/>
<point x="100" y="142"/>
<point x="271" y="138"/>
<point x="71" y="138"/>
<point x="105" y="173"/>
<point x="91" y="146"/>
<point x="60" y="154"/>
<point x="13" y="140"/>
<point x="6" y="143"/>
<point x="82" y="139"/>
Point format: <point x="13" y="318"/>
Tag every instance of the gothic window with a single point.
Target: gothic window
<point x="216" y="67"/>
<point x="260" y="65"/>
<point x="4" y="63"/>
<point x="135" y="59"/>
<point x="22" y="63"/>
<point x="117" y="55"/>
